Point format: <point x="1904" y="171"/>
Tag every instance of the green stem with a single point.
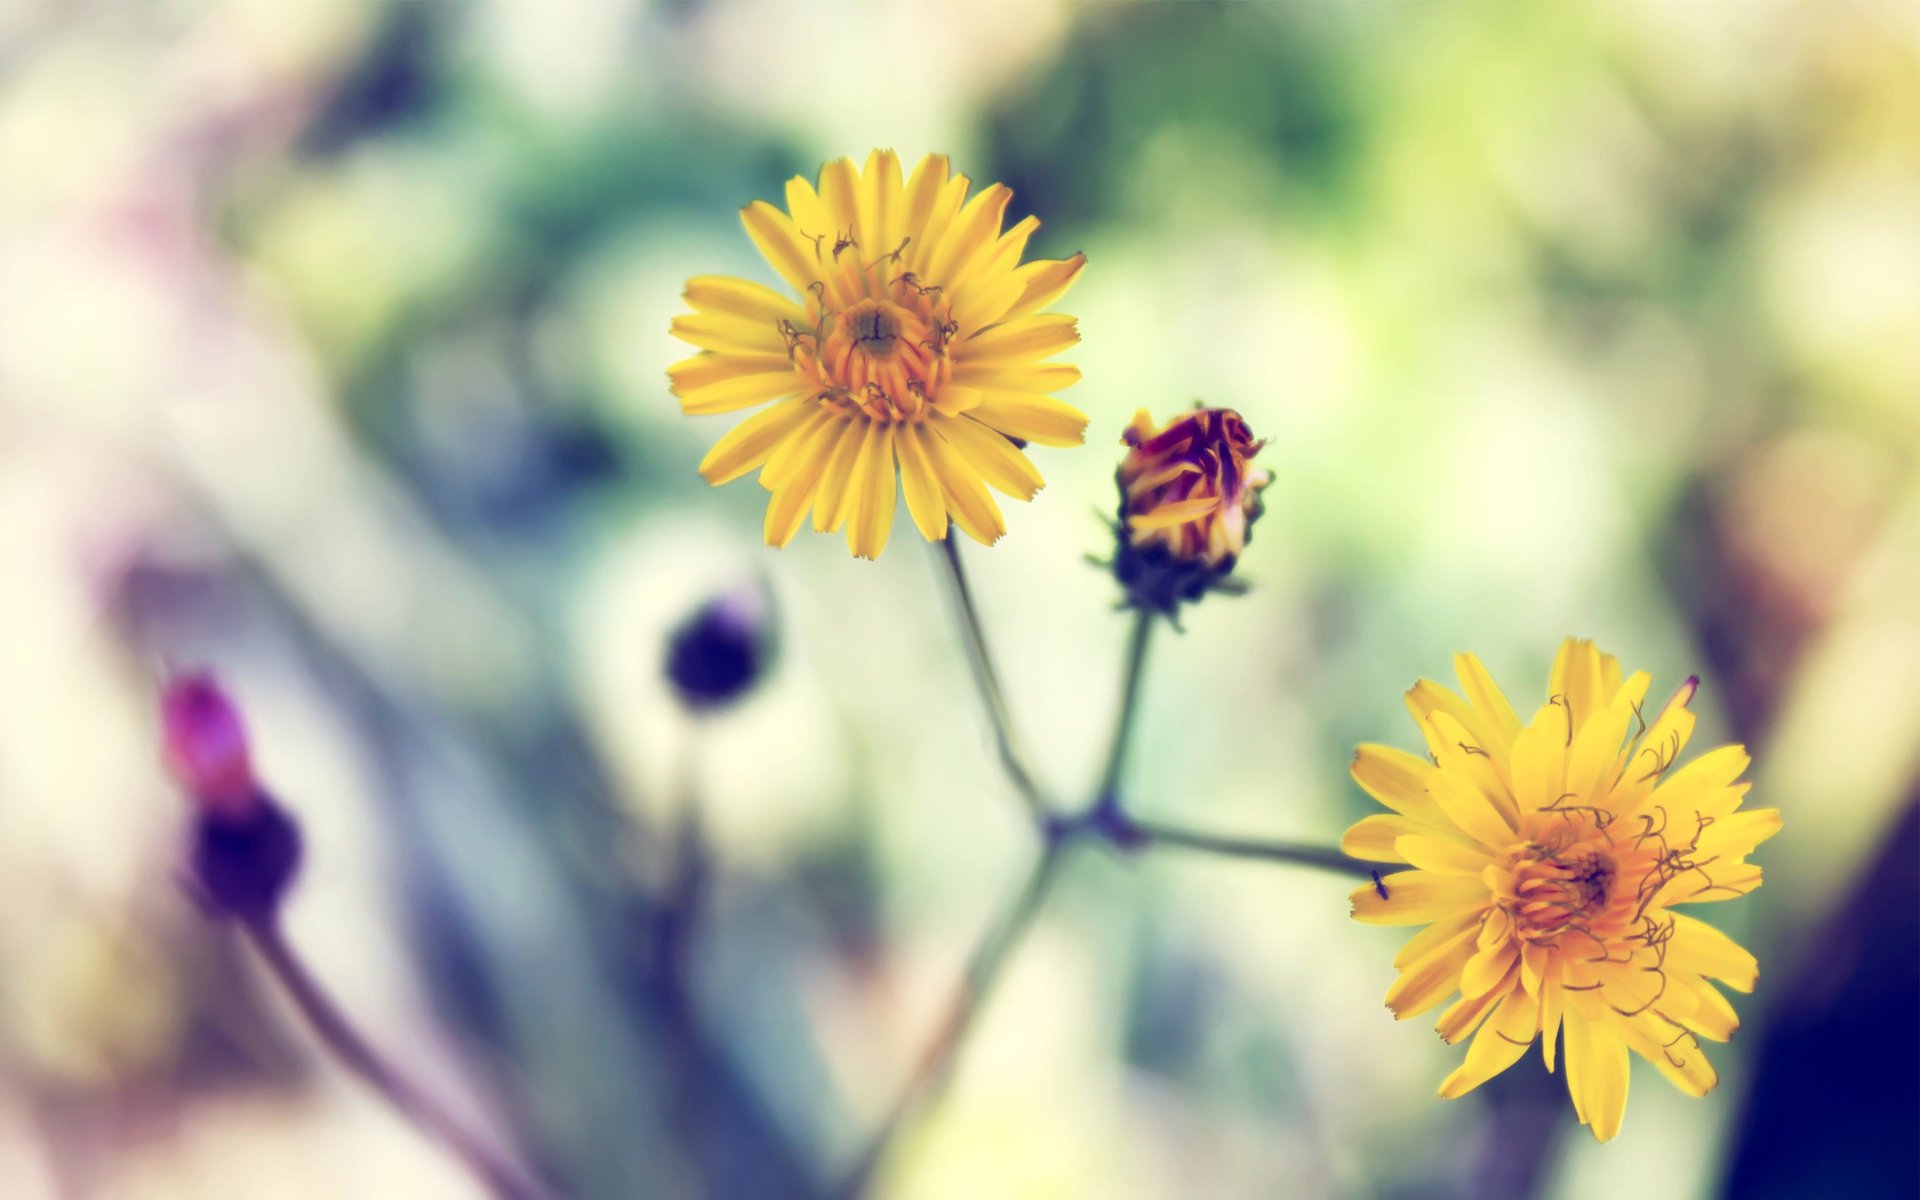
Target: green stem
<point x="935" y="1065"/>
<point x="987" y="680"/>
<point x="1326" y="858"/>
<point x="1129" y="704"/>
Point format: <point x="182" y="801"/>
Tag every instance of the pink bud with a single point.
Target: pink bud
<point x="204" y="744"/>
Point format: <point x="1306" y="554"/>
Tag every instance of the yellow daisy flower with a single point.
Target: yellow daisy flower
<point x="912" y="347"/>
<point x="1547" y="860"/>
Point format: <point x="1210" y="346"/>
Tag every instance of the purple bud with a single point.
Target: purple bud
<point x="718" y="654"/>
<point x="204" y="744"/>
<point x="243" y="866"/>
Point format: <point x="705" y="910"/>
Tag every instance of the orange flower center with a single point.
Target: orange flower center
<point x="1563" y="879"/>
<point x="886" y="355"/>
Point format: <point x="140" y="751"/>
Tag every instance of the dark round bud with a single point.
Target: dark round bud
<point x="243" y="865"/>
<point x="716" y="655"/>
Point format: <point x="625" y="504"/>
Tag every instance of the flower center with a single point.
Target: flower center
<point x="1564" y="879"/>
<point x="886" y="354"/>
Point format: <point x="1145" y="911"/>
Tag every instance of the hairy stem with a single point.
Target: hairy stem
<point x="987" y="680"/>
<point x="1145" y="834"/>
<point x="935" y="1065"/>
<point x="1129" y="703"/>
<point x="352" y="1051"/>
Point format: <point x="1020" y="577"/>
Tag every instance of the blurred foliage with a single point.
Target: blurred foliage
<point x="331" y="354"/>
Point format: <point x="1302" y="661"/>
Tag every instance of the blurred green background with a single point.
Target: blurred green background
<point x="332" y="340"/>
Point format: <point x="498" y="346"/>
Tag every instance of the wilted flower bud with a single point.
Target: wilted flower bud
<point x="717" y="655"/>
<point x="245" y="849"/>
<point x="1188" y="500"/>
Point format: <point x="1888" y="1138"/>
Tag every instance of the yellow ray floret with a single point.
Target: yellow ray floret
<point x="1545" y="860"/>
<point x="911" y="354"/>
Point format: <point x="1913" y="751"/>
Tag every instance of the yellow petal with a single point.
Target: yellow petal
<point x="923" y="188"/>
<point x="1714" y="1016"/>
<point x="805" y="442"/>
<point x="788" y="505"/>
<point x="1031" y="418"/>
<point x="1426" y="942"/>
<point x="871" y="502"/>
<point x="1496" y="715"/>
<point x="1398" y="780"/>
<point x="1683" y="790"/>
<point x="752" y="442"/>
<point x="972" y="508"/>
<point x="1498" y="1045"/>
<point x="1434" y="975"/>
<point x="934" y="230"/>
<point x="882" y="203"/>
<point x="1464" y="1015"/>
<point x="1417" y="897"/>
<point x="1593" y="762"/>
<point x="1597" y="1074"/>
<point x="1432" y="852"/>
<point x="716" y="383"/>
<point x="977" y="225"/>
<point x="1177" y="512"/>
<point x="1699" y="948"/>
<point x="1737" y="834"/>
<point x="1373" y="838"/>
<point x="1550" y="1010"/>
<point x="993" y="265"/>
<point x="991" y="455"/>
<point x="1044" y="281"/>
<point x="1711" y="883"/>
<point x="1680" y="1059"/>
<point x="1469" y="810"/>
<point x="1026" y="340"/>
<point x="830" y="506"/>
<point x="1488" y="966"/>
<point x="726" y="296"/>
<point x="985" y="301"/>
<point x="1044" y="378"/>
<point x="1457" y="751"/>
<point x="922" y="488"/>
<point x="779" y="240"/>
<point x="722" y="331"/>
<point x="1538" y="765"/>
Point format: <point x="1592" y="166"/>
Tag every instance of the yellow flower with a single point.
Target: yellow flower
<point x="912" y="346"/>
<point x="1189" y="495"/>
<point x="1547" y="860"/>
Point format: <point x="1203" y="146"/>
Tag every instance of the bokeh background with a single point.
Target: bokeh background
<point x="332" y="341"/>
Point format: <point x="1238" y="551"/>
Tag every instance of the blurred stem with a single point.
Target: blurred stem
<point x="1143" y="834"/>
<point x="352" y="1051"/>
<point x="983" y="972"/>
<point x="988" y="681"/>
<point x="1109" y="790"/>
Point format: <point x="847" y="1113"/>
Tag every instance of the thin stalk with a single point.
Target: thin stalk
<point x="935" y="1064"/>
<point x="352" y="1050"/>
<point x="1326" y="858"/>
<point x="1129" y="704"/>
<point x="987" y="680"/>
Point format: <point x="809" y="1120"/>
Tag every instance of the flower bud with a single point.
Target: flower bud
<point x="1188" y="499"/>
<point x="243" y="867"/>
<point x="720" y="652"/>
<point x="244" y="848"/>
<point x="204" y="744"/>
